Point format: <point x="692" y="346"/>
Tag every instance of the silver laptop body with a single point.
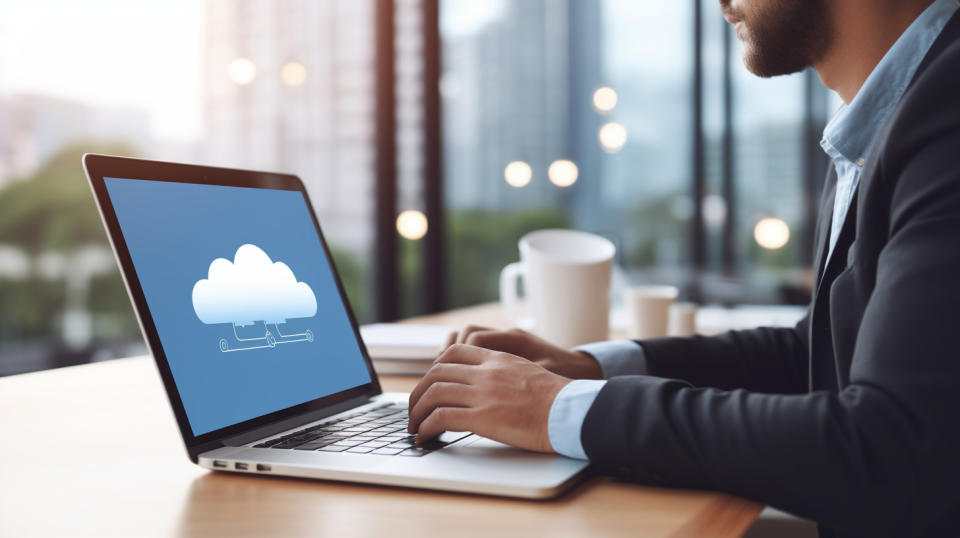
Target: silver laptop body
<point x="354" y="435"/>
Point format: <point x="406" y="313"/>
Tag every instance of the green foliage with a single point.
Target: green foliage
<point x="780" y="258"/>
<point x="28" y="308"/>
<point x="53" y="210"/>
<point x="410" y="255"/>
<point x="650" y="223"/>
<point x="355" y="283"/>
<point x="481" y="243"/>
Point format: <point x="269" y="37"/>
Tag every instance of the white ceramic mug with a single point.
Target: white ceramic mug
<point x="649" y="308"/>
<point x="566" y="279"/>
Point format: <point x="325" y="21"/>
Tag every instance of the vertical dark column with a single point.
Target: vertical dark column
<point x="729" y="193"/>
<point x="434" y="284"/>
<point x="697" y="236"/>
<point x="385" y="265"/>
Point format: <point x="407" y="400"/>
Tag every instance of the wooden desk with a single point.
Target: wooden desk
<point x="94" y="450"/>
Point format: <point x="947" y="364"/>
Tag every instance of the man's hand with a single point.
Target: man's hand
<point x="493" y="394"/>
<point x="572" y="364"/>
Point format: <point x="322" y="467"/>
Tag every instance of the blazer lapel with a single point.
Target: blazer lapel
<point x="822" y="233"/>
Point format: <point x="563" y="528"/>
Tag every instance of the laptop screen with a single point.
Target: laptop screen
<point x="244" y="302"/>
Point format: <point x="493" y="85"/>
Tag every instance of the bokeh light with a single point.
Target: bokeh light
<point x="563" y="173"/>
<point x="412" y="224"/>
<point x="293" y="74"/>
<point x="604" y="99"/>
<point x="517" y="174"/>
<point x="612" y="137"/>
<point x="242" y="71"/>
<point x="771" y="233"/>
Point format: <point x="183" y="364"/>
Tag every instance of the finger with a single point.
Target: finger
<point x="507" y="341"/>
<point x="468" y="330"/>
<point x="463" y="354"/>
<point x="458" y="419"/>
<point x="440" y="394"/>
<point x="456" y="373"/>
<point x="458" y="337"/>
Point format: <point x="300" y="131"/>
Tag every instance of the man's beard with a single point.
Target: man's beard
<point x="785" y="36"/>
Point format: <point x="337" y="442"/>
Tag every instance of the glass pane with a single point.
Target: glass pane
<point x="564" y="114"/>
<point x="410" y="140"/>
<point x="769" y="219"/>
<point x="285" y="86"/>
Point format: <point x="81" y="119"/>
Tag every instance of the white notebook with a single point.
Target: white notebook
<point x="395" y="341"/>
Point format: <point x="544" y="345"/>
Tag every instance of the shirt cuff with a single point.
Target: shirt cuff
<point x="567" y="413"/>
<point x="617" y="357"/>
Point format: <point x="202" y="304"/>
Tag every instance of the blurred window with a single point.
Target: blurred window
<point x="609" y="86"/>
<point x="555" y="113"/>
<point x="561" y="113"/>
<point x="284" y="86"/>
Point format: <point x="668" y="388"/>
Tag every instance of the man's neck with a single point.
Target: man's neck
<point x="865" y="31"/>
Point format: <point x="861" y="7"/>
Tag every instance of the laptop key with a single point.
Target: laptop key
<point x="332" y="448"/>
<point x="387" y="451"/>
<point x="360" y="450"/>
<point x="287" y="444"/>
<point x="433" y="445"/>
<point x="415" y="452"/>
<point x="313" y="445"/>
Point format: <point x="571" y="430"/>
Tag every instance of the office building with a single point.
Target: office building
<point x="289" y="86"/>
<point x="34" y="127"/>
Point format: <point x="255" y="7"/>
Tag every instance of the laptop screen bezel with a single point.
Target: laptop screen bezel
<point x="99" y="167"/>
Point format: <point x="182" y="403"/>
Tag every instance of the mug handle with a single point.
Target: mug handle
<point x="508" y="294"/>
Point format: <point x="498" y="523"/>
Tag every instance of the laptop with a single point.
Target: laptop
<point x="238" y="298"/>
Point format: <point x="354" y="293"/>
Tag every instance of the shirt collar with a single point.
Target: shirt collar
<point x="852" y="129"/>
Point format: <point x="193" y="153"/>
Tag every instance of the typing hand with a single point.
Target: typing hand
<point x="494" y="394"/>
<point x="568" y="363"/>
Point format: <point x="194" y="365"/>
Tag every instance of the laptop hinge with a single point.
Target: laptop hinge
<point x="292" y="422"/>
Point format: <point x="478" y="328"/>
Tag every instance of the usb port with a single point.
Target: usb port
<point x="262" y="467"/>
<point x="240" y="466"/>
<point x="220" y="464"/>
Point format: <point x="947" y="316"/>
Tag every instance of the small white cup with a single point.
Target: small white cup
<point x="681" y="319"/>
<point x="566" y="278"/>
<point x="649" y="308"/>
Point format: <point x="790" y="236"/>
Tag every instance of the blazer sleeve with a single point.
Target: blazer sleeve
<point x="879" y="458"/>
<point x="764" y="359"/>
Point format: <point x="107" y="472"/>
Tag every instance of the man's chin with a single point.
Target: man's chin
<point x="765" y="66"/>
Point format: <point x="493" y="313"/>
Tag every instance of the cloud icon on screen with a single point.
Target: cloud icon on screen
<point x="250" y="290"/>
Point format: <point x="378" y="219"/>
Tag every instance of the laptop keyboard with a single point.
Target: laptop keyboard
<point x="381" y="431"/>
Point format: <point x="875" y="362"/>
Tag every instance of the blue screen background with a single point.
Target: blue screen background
<point x="173" y="232"/>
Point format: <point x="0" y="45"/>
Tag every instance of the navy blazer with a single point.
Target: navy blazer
<point x="852" y="418"/>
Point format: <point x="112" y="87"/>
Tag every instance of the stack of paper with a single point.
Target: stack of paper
<point x="404" y="349"/>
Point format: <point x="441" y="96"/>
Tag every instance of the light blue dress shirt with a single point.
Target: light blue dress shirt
<point x="846" y="140"/>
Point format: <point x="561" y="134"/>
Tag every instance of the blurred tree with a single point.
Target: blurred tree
<point x="481" y="243"/>
<point x="355" y="284"/>
<point x="410" y="256"/>
<point x="53" y="211"/>
<point x="650" y="224"/>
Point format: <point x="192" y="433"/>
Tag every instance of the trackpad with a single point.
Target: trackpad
<point x="483" y="442"/>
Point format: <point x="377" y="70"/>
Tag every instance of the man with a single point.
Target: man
<point x="850" y="418"/>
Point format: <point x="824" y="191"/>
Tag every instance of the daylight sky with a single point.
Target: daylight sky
<point x="128" y="53"/>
